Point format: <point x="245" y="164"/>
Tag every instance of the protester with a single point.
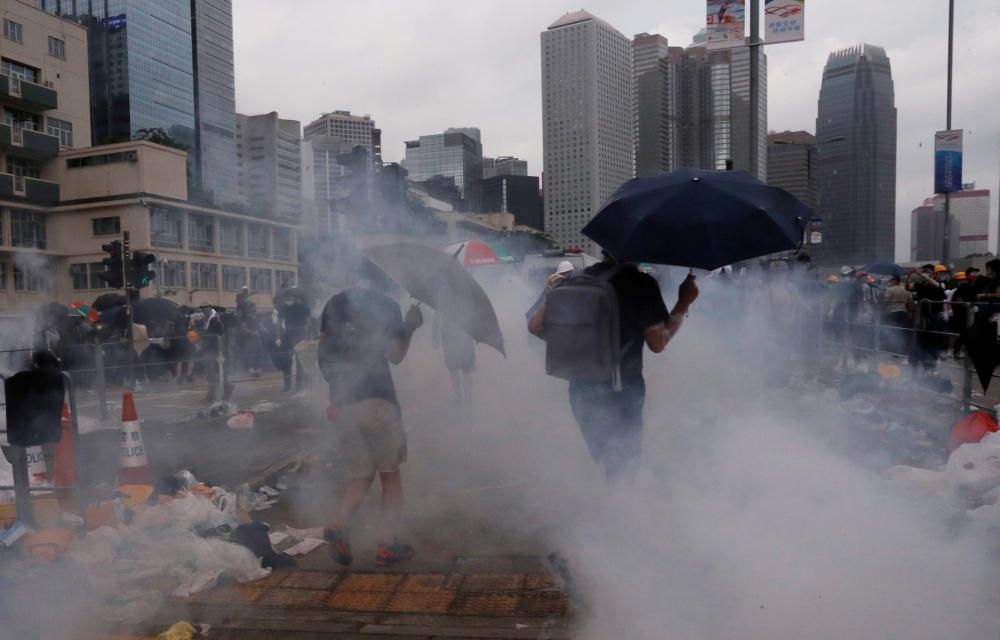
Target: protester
<point x="362" y="331"/>
<point x="929" y="294"/>
<point x="459" y="356"/>
<point x="211" y="332"/>
<point x="897" y="310"/>
<point x="295" y="315"/>
<point x="610" y="419"/>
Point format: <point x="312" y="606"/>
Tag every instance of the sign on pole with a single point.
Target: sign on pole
<point x="725" y="23"/>
<point x="948" y="161"/>
<point x="786" y="20"/>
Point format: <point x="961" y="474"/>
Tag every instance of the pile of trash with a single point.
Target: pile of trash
<point x="177" y="538"/>
<point x="970" y="477"/>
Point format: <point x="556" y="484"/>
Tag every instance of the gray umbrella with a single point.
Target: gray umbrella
<point x="438" y="280"/>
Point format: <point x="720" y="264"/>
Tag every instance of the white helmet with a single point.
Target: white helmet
<point x="565" y="267"/>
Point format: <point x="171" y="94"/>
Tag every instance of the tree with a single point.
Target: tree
<point x="156" y="135"/>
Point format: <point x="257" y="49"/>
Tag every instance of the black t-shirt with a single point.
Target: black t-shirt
<point x="640" y="306"/>
<point x="358" y="327"/>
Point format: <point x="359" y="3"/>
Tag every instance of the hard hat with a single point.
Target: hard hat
<point x="844" y="270"/>
<point x="940" y="268"/>
<point x="861" y="274"/>
<point x="193" y="336"/>
<point x="565" y="267"/>
<point x="833" y="279"/>
<point x="960" y="275"/>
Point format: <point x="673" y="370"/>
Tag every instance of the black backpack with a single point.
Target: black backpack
<point x="582" y="329"/>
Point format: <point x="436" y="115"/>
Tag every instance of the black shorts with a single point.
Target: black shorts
<point x="610" y="421"/>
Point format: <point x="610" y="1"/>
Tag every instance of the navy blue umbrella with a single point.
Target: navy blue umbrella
<point x="697" y="218"/>
<point x="884" y="268"/>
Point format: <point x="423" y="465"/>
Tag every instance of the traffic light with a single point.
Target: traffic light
<point x="142" y="273"/>
<point x="112" y="265"/>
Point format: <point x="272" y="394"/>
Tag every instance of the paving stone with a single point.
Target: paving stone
<point x="310" y="580"/>
<point x="372" y="582"/>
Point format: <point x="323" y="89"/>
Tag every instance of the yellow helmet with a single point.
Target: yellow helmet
<point x="940" y="268"/>
<point x="960" y="275"/>
<point x="833" y="279"/>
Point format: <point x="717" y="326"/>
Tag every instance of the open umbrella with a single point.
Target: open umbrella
<point x="107" y="300"/>
<point x="884" y="268"/>
<point x="155" y="310"/>
<point x="438" y="280"/>
<point x="699" y="219"/>
<point x="473" y="253"/>
<point x="84" y="310"/>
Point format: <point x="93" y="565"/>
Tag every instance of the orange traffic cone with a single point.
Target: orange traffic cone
<point x="37" y="471"/>
<point x="65" y="475"/>
<point x="134" y="468"/>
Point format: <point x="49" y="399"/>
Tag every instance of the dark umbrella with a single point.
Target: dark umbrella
<point x="289" y="295"/>
<point x="981" y="342"/>
<point x="699" y="219"/>
<point x="438" y="280"/>
<point x="153" y="310"/>
<point x="885" y="269"/>
<point x="107" y="300"/>
<point x="52" y="314"/>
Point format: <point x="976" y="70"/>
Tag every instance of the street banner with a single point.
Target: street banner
<point x="725" y="23"/>
<point x="948" y="161"/>
<point x="785" y="21"/>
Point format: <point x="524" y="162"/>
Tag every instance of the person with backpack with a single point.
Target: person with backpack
<point x="362" y="331"/>
<point x="596" y="325"/>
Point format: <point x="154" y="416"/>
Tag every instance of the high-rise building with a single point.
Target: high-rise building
<point x="792" y="164"/>
<point x="270" y="166"/>
<point x="214" y="99"/>
<point x="164" y="64"/>
<point x="587" y="122"/>
<point x="657" y="93"/>
<point x="927" y="233"/>
<point x="456" y="155"/>
<point x="970" y="208"/>
<point x="856" y="135"/>
<point x="347" y="150"/>
<point x="504" y="166"/>
<point x="515" y="194"/>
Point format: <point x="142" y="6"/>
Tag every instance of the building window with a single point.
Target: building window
<point x="87" y="275"/>
<point x="62" y="129"/>
<point x="282" y="244"/>
<point x="57" y="48"/>
<point x="257" y="241"/>
<point x="285" y="279"/>
<point x="165" y="228"/>
<point x="201" y="232"/>
<point x="28" y="229"/>
<point x="18" y="71"/>
<point x="3" y="276"/>
<point x="21" y="168"/>
<point x="173" y="273"/>
<point x="204" y="276"/>
<point x="233" y="278"/>
<point x="13" y="31"/>
<point x="110" y="226"/>
<point x="30" y="280"/>
<point x="231" y="237"/>
<point x="260" y="280"/>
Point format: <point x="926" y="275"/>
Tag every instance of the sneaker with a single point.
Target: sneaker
<point x="392" y="554"/>
<point x="340" y="545"/>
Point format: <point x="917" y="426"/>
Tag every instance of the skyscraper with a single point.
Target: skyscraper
<point x="970" y="211"/>
<point x="340" y="134"/>
<point x="270" y="166"/>
<point x="856" y="134"/>
<point x="792" y="164"/>
<point x="214" y="99"/>
<point x="657" y="93"/>
<point x="588" y="122"/>
<point x="164" y="64"/>
<point x="456" y="154"/>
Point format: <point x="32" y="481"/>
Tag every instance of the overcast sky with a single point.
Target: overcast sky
<point x="421" y="66"/>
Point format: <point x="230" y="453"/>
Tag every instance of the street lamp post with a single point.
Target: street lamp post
<point x="946" y="251"/>
<point x="755" y="46"/>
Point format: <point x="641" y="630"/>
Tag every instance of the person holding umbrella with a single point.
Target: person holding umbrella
<point x="610" y="415"/>
<point x="362" y="331"/>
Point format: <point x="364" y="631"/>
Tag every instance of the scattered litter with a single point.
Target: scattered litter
<point x="14" y="533"/>
<point x="243" y="420"/>
<point x="249" y="500"/>
<point x="218" y="409"/>
<point x="269" y="491"/>
<point x="179" y="631"/>
<point x="71" y="519"/>
<point x="264" y="407"/>
<point x="277" y="537"/>
<point x="304" y="547"/>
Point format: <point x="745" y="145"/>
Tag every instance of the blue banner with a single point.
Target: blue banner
<point x="948" y="161"/>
